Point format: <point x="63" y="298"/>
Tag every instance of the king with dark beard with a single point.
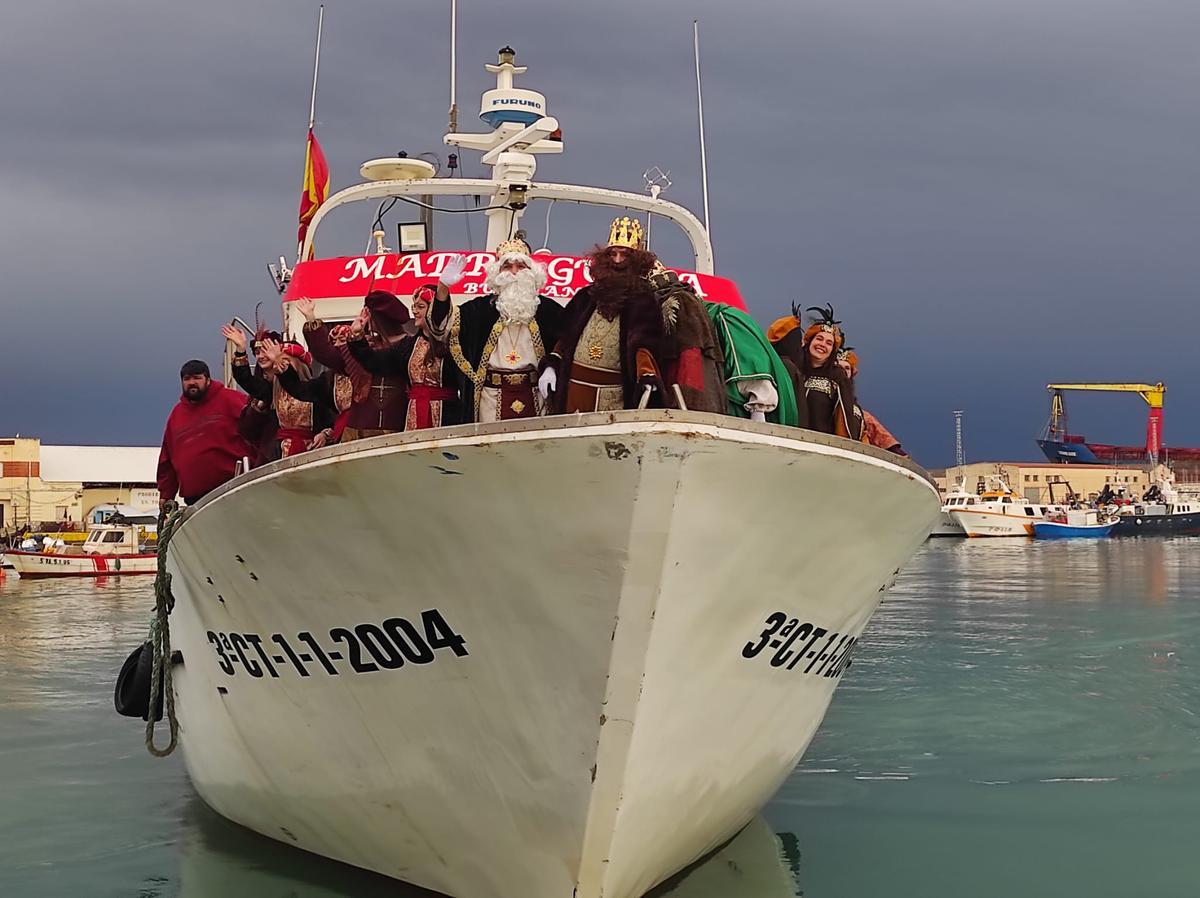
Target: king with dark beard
<point x="497" y="341"/>
<point x="608" y="346"/>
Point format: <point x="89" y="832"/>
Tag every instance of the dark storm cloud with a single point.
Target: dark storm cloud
<point x="993" y="195"/>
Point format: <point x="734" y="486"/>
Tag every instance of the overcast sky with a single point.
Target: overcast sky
<point x="993" y="195"/>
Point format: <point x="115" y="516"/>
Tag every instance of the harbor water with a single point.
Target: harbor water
<point x="1020" y="719"/>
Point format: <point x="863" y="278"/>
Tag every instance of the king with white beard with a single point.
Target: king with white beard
<point x="498" y="340"/>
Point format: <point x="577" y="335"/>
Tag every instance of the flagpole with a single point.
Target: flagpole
<point x="700" y="111"/>
<point x="312" y="105"/>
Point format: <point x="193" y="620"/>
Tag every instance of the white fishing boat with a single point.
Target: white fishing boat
<point x="1000" y="512"/>
<point x="110" y="550"/>
<point x="551" y="657"/>
<point x="947" y="524"/>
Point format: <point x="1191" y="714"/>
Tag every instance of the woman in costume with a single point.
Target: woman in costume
<point x="330" y="390"/>
<point x="873" y="431"/>
<point x="299" y="420"/>
<point x="824" y="391"/>
<point x="424" y="364"/>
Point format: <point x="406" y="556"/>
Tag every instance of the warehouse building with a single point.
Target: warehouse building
<point x="60" y="486"/>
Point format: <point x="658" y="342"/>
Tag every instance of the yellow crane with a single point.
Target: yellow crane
<point x="1152" y="393"/>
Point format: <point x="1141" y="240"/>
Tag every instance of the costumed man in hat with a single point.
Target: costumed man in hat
<point x="692" y="359"/>
<point x="425" y="365"/>
<point x="377" y="401"/>
<point x="607" y="353"/>
<point x="824" y="391"/>
<point x="497" y="341"/>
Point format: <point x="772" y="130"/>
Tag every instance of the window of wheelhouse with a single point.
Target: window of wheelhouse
<point x="114" y="536"/>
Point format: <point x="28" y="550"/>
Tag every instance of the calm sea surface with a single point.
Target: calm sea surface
<point x="1021" y="719"/>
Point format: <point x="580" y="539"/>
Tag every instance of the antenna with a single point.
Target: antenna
<point x="960" y="457"/>
<point x="657" y="181"/>
<point x="700" y="110"/>
<point x="453" y="66"/>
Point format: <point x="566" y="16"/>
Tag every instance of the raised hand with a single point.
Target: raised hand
<point x="273" y="351"/>
<point x="307" y="308"/>
<point x="358" y="326"/>
<point x="452" y="271"/>
<point x="235" y="335"/>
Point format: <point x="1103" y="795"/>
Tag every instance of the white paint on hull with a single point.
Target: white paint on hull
<point x="606" y="571"/>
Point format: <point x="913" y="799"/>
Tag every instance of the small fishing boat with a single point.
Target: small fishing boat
<point x="1001" y="512"/>
<point x="1075" y="523"/>
<point x="575" y="680"/>
<point x="959" y="497"/>
<point x="110" y="550"/>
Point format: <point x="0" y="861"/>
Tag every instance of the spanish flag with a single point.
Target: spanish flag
<point x="316" y="185"/>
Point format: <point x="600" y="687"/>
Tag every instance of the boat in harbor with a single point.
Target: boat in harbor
<point x="1000" y="512"/>
<point x="1163" y="511"/>
<point x="1075" y="523"/>
<point x="109" y="550"/>
<point x="559" y="657"/>
<point x="947" y="524"/>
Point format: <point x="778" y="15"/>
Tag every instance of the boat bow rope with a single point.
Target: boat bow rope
<point x="160" y="636"/>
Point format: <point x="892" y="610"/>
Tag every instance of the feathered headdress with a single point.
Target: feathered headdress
<point x="822" y="321"/>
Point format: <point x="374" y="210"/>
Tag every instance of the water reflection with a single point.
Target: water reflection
<point x="222" y="860"/>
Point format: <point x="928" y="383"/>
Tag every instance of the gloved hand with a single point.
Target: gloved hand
<point x="452" y="273"/>
<point x="759" y="416"/>
<point x="548" y="382"/>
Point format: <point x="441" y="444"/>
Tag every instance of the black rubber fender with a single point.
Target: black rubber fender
<point x="132" y="694"/>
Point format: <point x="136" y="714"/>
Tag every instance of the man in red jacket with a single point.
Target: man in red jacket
<point x="201" y="445"/>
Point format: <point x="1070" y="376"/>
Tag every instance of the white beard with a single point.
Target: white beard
<point x="516" y="295"/>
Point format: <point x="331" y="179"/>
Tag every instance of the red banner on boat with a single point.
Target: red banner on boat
<point x="355" y="275"/>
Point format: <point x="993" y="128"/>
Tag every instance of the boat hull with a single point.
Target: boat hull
<point x="41" y="565"/>
<point x="1157" y="524"/>
<point x="946" y="525"/>
<point x="1052" y="530"/>
<point x="654" y="610"/>
<point x="992" y="523"/>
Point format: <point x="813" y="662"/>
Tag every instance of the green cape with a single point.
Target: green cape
<point x="750" y="356"/>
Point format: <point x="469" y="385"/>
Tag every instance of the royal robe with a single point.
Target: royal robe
<point x="640" y="343"/>
<point x="473" y="331"/>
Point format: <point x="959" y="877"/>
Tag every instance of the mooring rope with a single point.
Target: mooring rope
<point x="160" y="635"/>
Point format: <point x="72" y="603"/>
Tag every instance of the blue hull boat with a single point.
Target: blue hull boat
<point x="1052" y="530"/>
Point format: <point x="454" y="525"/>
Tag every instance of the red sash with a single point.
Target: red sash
<point x="422" y="397"/>
<point x="293" y="440"/>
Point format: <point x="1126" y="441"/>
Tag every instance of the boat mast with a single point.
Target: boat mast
<point x="520" y="129"/>
<point x="453" y="66"/>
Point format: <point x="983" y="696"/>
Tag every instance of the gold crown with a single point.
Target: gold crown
<point x="513" y="245"/>
<point x="626" y="232"/>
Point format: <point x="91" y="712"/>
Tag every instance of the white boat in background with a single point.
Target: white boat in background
<point x="1001" y="512"/>
<point x="110" y="550"/>
<point x="558" y="657"/>
<point x="946" y="524"/>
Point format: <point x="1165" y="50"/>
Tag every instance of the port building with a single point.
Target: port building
<point x="42" y="486"/>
